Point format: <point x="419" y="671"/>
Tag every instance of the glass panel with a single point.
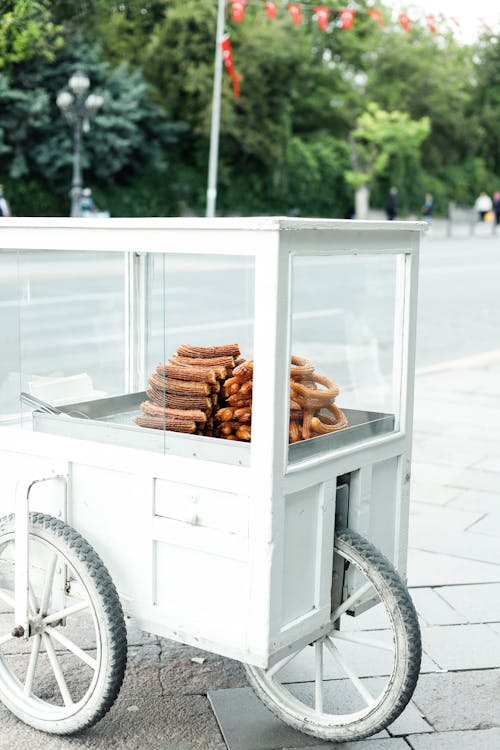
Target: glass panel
<point x="343" y="323"/>
<point x="64" y="317"/>
<point x="198" y="303"/>
<point x="88" y="331"/>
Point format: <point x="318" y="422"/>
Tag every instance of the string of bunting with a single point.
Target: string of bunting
<point x="324" y="14"/>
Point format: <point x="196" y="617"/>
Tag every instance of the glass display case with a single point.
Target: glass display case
<point x="279" y="346"/>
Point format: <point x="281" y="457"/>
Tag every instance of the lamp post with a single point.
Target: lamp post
<point x="78" y="109"/>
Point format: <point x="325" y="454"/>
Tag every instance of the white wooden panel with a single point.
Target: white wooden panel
<point x="200" y="506"/>
<point x="385" y="498"/>
<point x="300" y="565"/>
<point x="113" y="511"/>
<point x="211" y="541"/>
<point x="202" y="592"/>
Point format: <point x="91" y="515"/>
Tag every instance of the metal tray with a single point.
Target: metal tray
<point x="110" y="420"/>
<point x="362" y="425"/>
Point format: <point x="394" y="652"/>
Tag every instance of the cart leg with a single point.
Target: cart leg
<point x="21" y="580"/>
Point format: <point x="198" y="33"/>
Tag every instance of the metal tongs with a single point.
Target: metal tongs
<point x="40" y="405"/>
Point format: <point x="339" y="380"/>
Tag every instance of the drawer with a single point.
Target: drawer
<point x="199" y="506"/>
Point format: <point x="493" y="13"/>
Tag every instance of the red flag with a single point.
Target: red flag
<point x="322" y="14"/>
<point x="271" y="9"/>
<point x="431" y="23"/>
<point x="455" y="21"/>
<point x="347" y="18"/>
<point x="404" y="21"/>
<point x="227" y="56"/>
<point x="238" y="10"/>
<point x="295" y="12"/>
<point x="377" y="16"/>
<point x="486" y="25"/>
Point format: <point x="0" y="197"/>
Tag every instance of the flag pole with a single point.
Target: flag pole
<point x="214" y="128"/>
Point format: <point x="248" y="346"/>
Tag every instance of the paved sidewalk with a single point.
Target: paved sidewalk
<point x="454" y="575"/>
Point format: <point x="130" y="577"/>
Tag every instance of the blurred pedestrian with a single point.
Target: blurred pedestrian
<point x="87" y="204"/>
<point x="483" y="205"/>
<point x="427" y="208"/>
<point x="391" y="206"/>
<point x="496" y="206"/>
<point x="4" y="206"/>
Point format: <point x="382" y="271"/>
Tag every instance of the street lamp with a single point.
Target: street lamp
<point x="78" y="109"/>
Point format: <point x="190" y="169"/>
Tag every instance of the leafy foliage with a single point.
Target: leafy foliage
<point x="27" y="30"/>
<point x="320" y="113"/>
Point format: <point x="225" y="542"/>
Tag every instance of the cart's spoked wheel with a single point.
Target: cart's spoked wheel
<point x="66" y="675"/>
<point x="356" y="679"/>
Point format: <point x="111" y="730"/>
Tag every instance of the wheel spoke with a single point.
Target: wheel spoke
<point x="318" y="677"/>
<point x="56" y="668"/>
<point x="30" y="675"/>
<point x="353" y="638"/>
<point x="351" y="600"/>
<point x="76" y="650"/>
<point x="332" y="648"/>
<point x="47" y="589"/>
<point x="62" y="613"/>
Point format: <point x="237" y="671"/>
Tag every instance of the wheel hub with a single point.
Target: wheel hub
<point x="37" y="626"/>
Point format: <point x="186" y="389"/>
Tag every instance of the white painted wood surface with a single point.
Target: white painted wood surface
<point x="234" y="559"/>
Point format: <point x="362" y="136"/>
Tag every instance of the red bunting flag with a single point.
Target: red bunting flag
<point x="295" y="12"/>
<point x="404" y="21"/>
<point x="322" y="14"/>
<point x="347" y="17"/>
<point x="377" y="16"/>
<point x="238" y="10"/>
<point x="271" y="9"/>
<point x="455" y="21"/>
<point x="227" y="56"/>
<point x="486" y="25"/>
<point x="431" y="23"/>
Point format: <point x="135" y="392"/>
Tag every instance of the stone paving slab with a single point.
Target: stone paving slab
<point x="462" y="646"/>
<point x="486" y="502"/>
<point x="488" y="464"/>
<point x="246" y="724"/>
<point x="434" y="610"/>
<point x="371" y="744"/>
<point x="459" y="700"/>
<point x="430" y="493"/>
<point x="484" y="739"/>
<point x="434" y="569"/>
<point x="478" y="603"/>
<point x="488" y="524"/>
<point x="442" y="449"/>
<point x="462" y="545"/>
<point x="476" y="479"/>
<point x="442" y="519"/>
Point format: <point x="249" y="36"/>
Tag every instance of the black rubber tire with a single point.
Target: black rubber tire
<point x="401" y="611"/>
<point x="109" y="615"/>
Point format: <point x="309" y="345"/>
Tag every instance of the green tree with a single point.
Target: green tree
<point x="485" y="109"/>
<point x="379" y="138"/>
<point x="27" y="30"/>
<point x="128" y="137"/>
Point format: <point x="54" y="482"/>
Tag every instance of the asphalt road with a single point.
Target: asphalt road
<point x="459" y="299"/>
<point x="63" y="315"/>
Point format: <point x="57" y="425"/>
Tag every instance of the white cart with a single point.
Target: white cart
<point x="281" y="556"/>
